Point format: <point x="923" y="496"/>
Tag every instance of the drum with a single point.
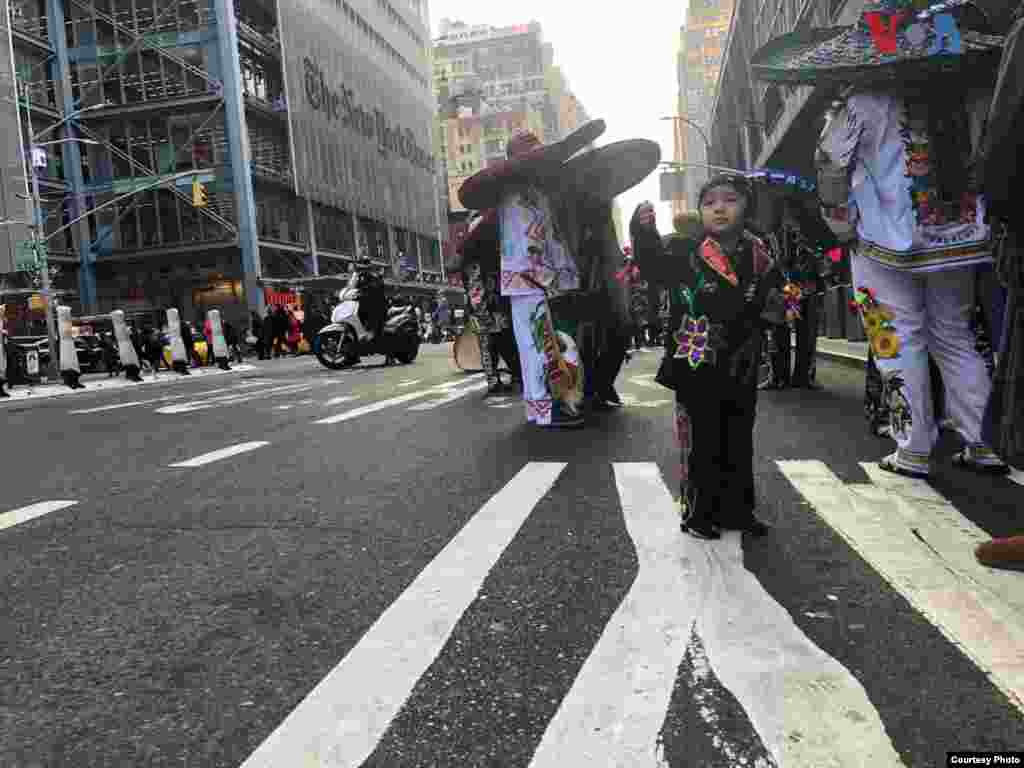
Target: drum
<point x="466" y="351"/>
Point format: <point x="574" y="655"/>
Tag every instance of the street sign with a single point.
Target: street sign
<point x="26" y="257"/>
<point x="36" y="303"/>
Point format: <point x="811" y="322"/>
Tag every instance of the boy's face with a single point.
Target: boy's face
<point x="722" y="209"/>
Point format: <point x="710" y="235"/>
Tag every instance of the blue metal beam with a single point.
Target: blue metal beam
<point x="72" y="156"/>
<point x="238" y="152"/>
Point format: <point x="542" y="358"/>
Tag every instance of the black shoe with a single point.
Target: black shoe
<point x="4" y="392"/>
<point x="750" y="525"/>
<point x="494" y="389"/>
<point x="812" y="385"/>
<point x="700" y="529"/>
<point x="773" y="385"/>
<point x="610" y="396"/>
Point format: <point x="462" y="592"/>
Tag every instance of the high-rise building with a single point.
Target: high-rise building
<point x="491" y="81"/>
<point x="699" y="61"/>
<point x="309" y="124"/>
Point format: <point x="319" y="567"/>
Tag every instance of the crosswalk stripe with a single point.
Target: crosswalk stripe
<point x="381" y="405"/>
<point x="164" y="399"/>
<point x="618" y="703"/>
<point x="340" y="400"/>
<point x="31" y="512"/>
<point x="341" y="721"/>
<point x="923" y="549"/>
<point x="451" y="398"/>
<point x="233" y="399"/>
<point x="218" y="455"/>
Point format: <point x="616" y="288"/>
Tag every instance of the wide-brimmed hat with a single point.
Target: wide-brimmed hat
<point x="610" y="170"/>
<point x="527" y="158"/>
<point x="893" y="40"/>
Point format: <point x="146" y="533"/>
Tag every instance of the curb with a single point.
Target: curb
<point x="842" y="358"/>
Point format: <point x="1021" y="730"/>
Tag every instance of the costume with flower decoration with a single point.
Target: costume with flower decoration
<point x="921" y="230"/>
<point x="718" y="303"/>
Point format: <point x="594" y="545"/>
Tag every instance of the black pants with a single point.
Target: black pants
<point x="717" y="455"/>
<point x="806" y="327"/>
<point x="611" y="354"/>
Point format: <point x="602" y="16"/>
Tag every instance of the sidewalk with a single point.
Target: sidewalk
<point x="100" y="382"/>
<point x="852" y="353"/>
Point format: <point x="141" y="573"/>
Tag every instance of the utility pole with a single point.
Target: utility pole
<point x="41" y="254"/>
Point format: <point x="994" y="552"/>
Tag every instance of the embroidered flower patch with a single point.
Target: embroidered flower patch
<point x="694" y="340"/>
<point x="878" y="325"/>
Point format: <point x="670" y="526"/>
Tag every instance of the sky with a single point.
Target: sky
<point x="620" y="65"/>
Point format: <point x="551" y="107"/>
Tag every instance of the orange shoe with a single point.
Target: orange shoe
<point x="1002" y="553"/>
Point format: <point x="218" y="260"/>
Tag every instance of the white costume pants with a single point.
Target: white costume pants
<point x="541" y="404"/>
<point x="927" y="313"/>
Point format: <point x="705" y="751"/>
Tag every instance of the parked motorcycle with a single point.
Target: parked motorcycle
<point x="366" y="323"/>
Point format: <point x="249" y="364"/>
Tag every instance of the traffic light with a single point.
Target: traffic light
<point x="199" y="195"/>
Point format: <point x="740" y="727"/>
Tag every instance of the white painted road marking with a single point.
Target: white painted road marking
<point x="342" y="720"/>
<point x="164" y="399"/>
<point x="451" y="398"/>
<point x="31" y="512"/>
<point x="340" y="400"/>
<point x="1016" y="475"/>
<point x="380" y="405"/>
<point x="618" y="703"/>
<point x="412" y="383"/>
<point x="223" y="453"/>
<point x="924" y="548"/>
<point x="233" y="399"/>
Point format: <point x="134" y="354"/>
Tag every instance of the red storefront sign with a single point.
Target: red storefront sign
<point x="280" y="298"/>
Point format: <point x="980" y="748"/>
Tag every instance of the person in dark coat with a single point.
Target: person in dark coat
<point x="256" y="323"/>
<point x="279" y="325"/>
<point x="722" y="288"/>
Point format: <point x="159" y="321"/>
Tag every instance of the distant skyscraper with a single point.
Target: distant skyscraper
<point x="701" y="44"/>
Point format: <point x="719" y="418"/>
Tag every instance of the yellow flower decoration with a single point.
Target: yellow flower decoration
<point x="885" y="345"/>
<point x="872" y="322"/>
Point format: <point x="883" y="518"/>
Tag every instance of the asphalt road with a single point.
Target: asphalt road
<point x="289" y="566"/>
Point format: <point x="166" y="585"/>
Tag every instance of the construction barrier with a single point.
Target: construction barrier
<point x="179" y="358"/>
<point x="69" y="369"/>
<point x="220" y="346"/>
<point x="125" y="348"/>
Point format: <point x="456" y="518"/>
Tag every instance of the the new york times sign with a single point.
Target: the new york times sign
<point x="361" y="126"/>
<point x="339" y="103"/>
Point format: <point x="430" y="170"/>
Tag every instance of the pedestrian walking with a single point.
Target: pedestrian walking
<point x="722" y="287"/>
<point x="257" y="335"/>
<point x="279" y="328"/>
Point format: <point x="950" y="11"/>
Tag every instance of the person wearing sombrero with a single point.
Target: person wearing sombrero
<point x="478" y="261"/>
<point x="897" y="150"/>
<point x="723" y="285"/>
<point x="536" y="266"/>
<point x="591" y="181"/>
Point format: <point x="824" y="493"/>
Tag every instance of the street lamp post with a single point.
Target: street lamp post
<point x="696" y="127"/>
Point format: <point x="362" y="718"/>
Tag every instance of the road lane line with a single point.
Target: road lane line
<point x="381" y="405"/>
<point x="456" y="395"/>
<point x="163" y="399"/>
<point x="1016" y="475"/>
<point x="923" y="549"/>
<point x="404" y="384"/>
<point x="618" y="703"/>
<point x="31" y="512"/>
<point x="344" y="717"/>
<point x="223" y="453"/>
<point x="234" y="399"/>
<point x="340" y="400"/>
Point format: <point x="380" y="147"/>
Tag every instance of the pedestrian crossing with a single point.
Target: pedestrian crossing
<point x="690" y="600"/>
<point x="286" y="396"/>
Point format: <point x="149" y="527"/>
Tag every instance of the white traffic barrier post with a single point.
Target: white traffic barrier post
<point x="179" y="358"/>
<point x="3" y="353"/>
<point x="220" y="347"/>
<point x="125" y="348"/>
<point x="69" y="369"/>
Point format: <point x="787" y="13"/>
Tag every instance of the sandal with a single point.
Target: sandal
<point x="966" y="459"/>
<point x="697" y="527"/>
<point x="889" y="465"/>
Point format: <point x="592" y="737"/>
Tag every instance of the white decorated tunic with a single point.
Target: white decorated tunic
<point x="902" y="223"/>
<point x="533" y="251"/>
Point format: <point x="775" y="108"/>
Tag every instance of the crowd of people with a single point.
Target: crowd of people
<point x="912" y="181"/>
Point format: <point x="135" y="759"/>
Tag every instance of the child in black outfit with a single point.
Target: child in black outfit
<point x="723" y="287"/>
